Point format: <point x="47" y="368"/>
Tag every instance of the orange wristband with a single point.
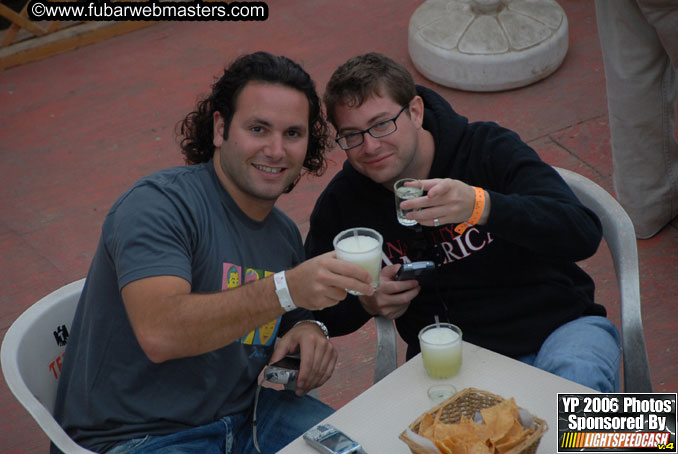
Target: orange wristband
<point x="478" y="208"/>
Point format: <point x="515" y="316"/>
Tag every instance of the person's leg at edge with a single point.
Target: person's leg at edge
<point x="642" y="92"/>
<point x="586" y="351"/>
<point x="282" y="417"/>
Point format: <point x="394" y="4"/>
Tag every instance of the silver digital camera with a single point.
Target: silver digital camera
<point x="284" y="371"/>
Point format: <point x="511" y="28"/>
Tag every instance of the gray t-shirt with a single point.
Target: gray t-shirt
<point x="178" y="222"/>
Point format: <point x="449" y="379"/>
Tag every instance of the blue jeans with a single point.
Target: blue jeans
<point x="281" y="418"/>
<point x="586" y="350"/>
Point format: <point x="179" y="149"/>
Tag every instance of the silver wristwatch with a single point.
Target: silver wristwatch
<point x="321" y="325"/>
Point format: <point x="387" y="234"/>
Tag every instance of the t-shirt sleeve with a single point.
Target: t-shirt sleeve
<point x="148" y="235"/>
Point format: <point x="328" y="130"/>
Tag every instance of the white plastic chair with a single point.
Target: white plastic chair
<point x="31" y="359"/>
<point x="621" y="240"/>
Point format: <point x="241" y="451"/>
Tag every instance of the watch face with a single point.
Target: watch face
<point x="323" y="328"/>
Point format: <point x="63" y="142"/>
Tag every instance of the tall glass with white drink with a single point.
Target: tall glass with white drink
<point x="361" y="246"/>
<point x="441" y="349"/>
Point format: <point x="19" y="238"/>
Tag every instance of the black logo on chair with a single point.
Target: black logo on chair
<point x="61" y="335"/>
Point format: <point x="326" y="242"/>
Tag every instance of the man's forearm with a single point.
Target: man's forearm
<point x="178" y="323"/>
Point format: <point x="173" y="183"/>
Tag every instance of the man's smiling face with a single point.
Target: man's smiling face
<point x="266" y="145"/>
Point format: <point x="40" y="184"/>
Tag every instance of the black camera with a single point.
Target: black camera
<point x="414" y="270"/>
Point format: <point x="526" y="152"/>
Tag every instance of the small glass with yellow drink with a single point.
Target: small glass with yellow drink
<point x="441" y="349"/>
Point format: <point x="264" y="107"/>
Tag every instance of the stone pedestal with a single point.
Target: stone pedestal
<point x="487" y="45"/>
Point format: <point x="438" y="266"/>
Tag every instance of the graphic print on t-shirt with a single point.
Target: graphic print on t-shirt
<point x="234" y="277"/>
<point x="451" y="246"/>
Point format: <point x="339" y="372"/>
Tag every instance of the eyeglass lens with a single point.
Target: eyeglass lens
<point x="381" y="129"/>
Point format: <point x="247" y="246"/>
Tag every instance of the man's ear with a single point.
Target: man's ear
<point x="417" y="111"/>
<point x="218" y="132"/>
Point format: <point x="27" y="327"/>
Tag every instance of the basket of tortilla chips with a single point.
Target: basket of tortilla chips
<point x="475" y="422"/>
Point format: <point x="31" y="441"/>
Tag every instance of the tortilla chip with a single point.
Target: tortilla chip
<point x="500" y="418"/>
<point x="456" y="446"/>
<point x="478" y="448"/>
<point x="444" y="449"/>
<point x="443" y="431"/>
<point x="510" y="442"/>
<point x="426" y="426"/>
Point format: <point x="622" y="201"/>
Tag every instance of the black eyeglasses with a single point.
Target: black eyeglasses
<point x="381" y="129"/>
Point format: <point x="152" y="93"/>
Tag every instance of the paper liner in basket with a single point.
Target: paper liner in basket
<point x="466" y="403"/>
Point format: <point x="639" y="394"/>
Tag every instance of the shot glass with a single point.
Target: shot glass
<point x="402" y="193"/>
<point x="360" y="246"/>
<point x="440" y="393"/>
<point x="441" y="349"/>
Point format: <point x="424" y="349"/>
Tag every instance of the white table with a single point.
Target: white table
<point x="379" y="415"/>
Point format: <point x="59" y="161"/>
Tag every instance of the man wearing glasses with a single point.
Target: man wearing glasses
<point x="502" y="227"/>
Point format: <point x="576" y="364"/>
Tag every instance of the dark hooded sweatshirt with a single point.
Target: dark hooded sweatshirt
<point x="507" y="284"/>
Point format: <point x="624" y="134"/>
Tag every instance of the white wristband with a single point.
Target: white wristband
<point x="283" y="292"/>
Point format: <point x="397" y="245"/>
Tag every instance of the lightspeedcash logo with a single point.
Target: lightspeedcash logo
<point x="632" y="423"/>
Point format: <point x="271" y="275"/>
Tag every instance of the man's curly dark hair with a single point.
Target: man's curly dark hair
<point x="197" y="128"/>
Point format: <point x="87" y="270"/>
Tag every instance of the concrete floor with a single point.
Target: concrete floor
<point x="77" y="129"/>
